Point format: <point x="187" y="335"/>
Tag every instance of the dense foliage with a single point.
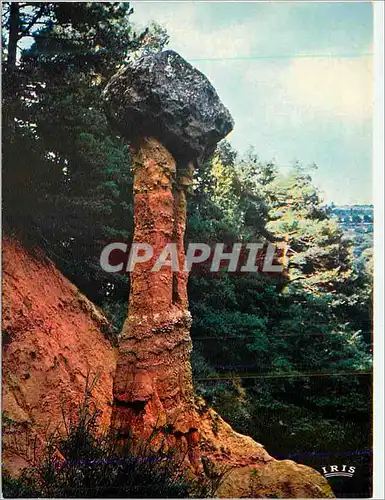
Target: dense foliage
<point x="284" y="358"/>
<point x="59" y="155"/>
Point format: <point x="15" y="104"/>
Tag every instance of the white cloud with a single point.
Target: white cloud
<point x="189" y="38"/>
<point x="301" y="88"/>
<point x="306" y="90"/>
<point x="341" y="87"/>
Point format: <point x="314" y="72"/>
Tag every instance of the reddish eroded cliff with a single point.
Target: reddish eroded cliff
<point x="52" y="337"/>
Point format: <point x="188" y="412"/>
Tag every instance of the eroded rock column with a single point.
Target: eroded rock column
<point x="153" y="385"/>
<point x="174" y="117"/>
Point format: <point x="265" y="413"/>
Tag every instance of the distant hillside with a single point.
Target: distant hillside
<point x="354" y="213"/>
<point x="357" y="223"/>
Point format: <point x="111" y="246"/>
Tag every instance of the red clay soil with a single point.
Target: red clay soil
<point x="52" y="337"/>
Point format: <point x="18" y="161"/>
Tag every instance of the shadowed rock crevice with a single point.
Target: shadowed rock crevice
<point x="136" y="406"/>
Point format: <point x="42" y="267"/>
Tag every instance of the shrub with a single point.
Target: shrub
<point x="82" y="462"/>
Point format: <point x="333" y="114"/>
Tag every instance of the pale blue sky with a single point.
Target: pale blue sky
<point x="289" y="108"/>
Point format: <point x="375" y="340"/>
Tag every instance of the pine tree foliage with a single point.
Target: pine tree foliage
<point x="60" y="156"/>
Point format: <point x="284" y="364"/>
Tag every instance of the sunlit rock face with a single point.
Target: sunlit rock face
<point x="53" y="338"/>
<point x="161" y="95"/>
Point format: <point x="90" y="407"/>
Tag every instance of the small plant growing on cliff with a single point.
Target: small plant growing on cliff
<point x="82" y="462"/>
<point x="215" y="424"/>
<point x="216" y="474"/>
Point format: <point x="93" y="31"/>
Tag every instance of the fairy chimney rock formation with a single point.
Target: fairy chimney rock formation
<point x="172" y="116"/>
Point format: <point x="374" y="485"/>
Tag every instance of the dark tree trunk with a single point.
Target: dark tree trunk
<point x="14" y="26"/>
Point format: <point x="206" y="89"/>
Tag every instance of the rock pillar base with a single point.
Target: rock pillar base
<point x="153" y="388"/>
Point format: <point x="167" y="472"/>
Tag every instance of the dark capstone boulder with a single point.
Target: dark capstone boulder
<point x="163" y="96"/>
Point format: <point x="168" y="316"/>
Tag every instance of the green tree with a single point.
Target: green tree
<point x="287" y="361"/>
<point x="318" y="258"/>
<point x="60" y="156"/>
